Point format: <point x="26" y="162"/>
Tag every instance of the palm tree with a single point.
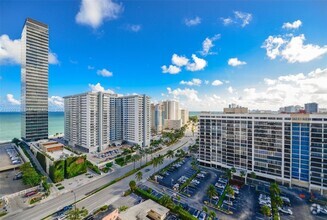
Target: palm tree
<point x="170" y="154"/>
<point x="160" y="160"/>
<point x="142" y="153"/>
<point x="139" y="176"/>
<point x="230" y="192"/>
<point x="242" y="173"/>
<point x="266" y="211"/>
<point x="146" y="152"/>
<point x="132" y="185"/>
<point x="229" y="174"/>
<point x="155" y="163"/>
<point x="135" y="158"/>
<point x="211" y="192"/>
<point x="166" y="201"/>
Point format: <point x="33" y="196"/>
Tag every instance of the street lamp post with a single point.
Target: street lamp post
<point x="75" y="200"/>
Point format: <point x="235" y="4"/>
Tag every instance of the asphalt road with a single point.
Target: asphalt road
<point x="107" y="195"/>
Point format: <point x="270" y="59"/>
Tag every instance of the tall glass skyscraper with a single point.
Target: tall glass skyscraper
<point x="34" y="80"/>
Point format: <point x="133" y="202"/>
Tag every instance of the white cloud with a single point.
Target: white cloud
<point x="104" y="73"/>
<point x="10" y="51"/>
<point x="190" y="94"/>
<point x="94" y="12"/>
<point x="171" y="69"/>
<point x="244" y="17"/>
<point x="207" y="44"/>
<point x="179" y="60"/>
<point x="12" y="100"/>
<point x="98" y="88"/>
<point x="192" y="21"/>
<point x="269" y="82"/>
<point x="235" y="62"/>
<point x="241" y="18"/>
<point x="230" y="90"/>
<point x="56" y="101"/>
<point x="292" y="48"/>
<point x="217" y="82"/>
<point x="227" y="21"/>
<point x="133" y="27"/>
<point x="295" y="25"/>
<point x="197" y="65"/>
<point x="53" y="58"/>
<point x="193" y="82"/>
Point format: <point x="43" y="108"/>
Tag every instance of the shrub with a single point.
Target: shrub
<point x="93" y="167"/>
<point x="120" y="161"/>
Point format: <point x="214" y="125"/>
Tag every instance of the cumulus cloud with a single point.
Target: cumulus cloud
<point x="192" y="21"/>
<point x="172" y="69"/>
<point x="240" y="18"/>
<point x="95" y="12"/>
<point x="207" y="44"/>
<point x="217" y="82"/>
<point x="292" y="48"/>
<point x="133" y="27"/>
<point x="235" y="62"/>
<point x="190" y="94"/>
<point x="295" y="25"/>
<point x="56" y="101"/>
<point x="10" y="51"/>
<point x="98" y="88"/>
<point x="193" y="82"/>
<point x="12" y="100"/>
<point x="198" y="64"/>
<point x="179" y="60"/>
<point x="104" y="73"/>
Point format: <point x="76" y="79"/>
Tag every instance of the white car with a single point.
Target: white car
<point x="228" y="202"/>
<point x="221" y="186"/>
<point x="215" y="197"/>
<point x="285" y="199"/>
<point x="285" y="210"/>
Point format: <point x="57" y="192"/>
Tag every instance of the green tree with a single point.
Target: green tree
<point x="211" y="192"/>
<point x="77" y="214"/>
<point x="139" y="176"/>
<point x="205" y="209"/>
<point x="276" y="200"/>
<point x="170" y="154"/>
<point x="266" y="211"/>
<point x="166" y="201"/>
<point x="230" y="192"/>
<point x="135" y="158"/>
<point x="229" y="174"/>
<point x="212" y="214"/>
<point x="30" y="176"/>
<point x="253" y="175"/>
<point x="132" y="185"/>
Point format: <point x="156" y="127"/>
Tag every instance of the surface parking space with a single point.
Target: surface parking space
<point x="7" y="183"/>
<point x="9" y="156"/>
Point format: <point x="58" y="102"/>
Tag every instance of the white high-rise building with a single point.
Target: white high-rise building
<point x="34" y="78"/>
<point x="95" y="120"/>
<point x="184" y="116"/>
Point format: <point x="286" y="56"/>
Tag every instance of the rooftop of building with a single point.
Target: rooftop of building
<point x="103" y="214"/>
<point x="36" y="22"/>
<point x="141" y="211"/>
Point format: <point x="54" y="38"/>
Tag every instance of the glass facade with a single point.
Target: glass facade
<point x="34" y="78"/>
<point x="290" y="148"/>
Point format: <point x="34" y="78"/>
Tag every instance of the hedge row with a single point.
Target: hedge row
<point x="75" y="166"/>
<point x="93" y="167"/>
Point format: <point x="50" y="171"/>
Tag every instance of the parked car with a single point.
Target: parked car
<point x="202" y="216"/>
<point x="285" y="210"/>
<point x="228" y="202"/>
<point x="31" y="193"/>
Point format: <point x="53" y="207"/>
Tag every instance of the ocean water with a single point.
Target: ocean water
<point x="10" y="124"/>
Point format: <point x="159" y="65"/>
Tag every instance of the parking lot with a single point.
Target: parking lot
<point x="9" y="156"/>
<point x="7" y="183"/>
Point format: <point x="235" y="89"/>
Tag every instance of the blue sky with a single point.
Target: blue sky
<point x="255" y="54"/>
